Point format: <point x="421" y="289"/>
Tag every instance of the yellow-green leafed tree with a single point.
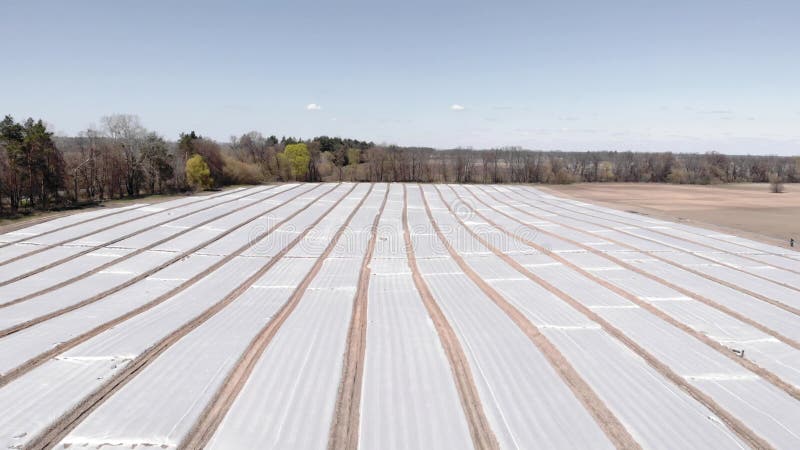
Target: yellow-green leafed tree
<point x="198" y="175"/>
<point x="298" y="157"/>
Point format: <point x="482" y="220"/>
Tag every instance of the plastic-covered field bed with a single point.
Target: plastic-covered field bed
<point x="394" y="316"/>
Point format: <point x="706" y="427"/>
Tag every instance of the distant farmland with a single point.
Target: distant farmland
<point x="394" y="316"/>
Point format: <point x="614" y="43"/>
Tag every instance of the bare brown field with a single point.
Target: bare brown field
<point x="746" y="209"/>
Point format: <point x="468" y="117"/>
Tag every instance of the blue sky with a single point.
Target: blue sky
<point x="571" y="75"/>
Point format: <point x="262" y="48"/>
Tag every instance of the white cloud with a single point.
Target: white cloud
<point x="718" y="111"/>
<point x="456" y="107"/>
<point x="313" y="107"/>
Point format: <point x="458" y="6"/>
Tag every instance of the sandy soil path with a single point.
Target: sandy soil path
<point x="607" y="421"/>
<point x="346" y="418"/>
<point x="119" y="259"/>
<point x="119" y="287"/>
<point x="746" y="363"/>
<point x="694" y="239"/>
<point x="215" y="411"/>
<point x="68" y="422"/>
<point x="736" y="425"/>
<point x="41" y="248"/>
<point x="655" y="255"/>
<point x="480" y="430"/>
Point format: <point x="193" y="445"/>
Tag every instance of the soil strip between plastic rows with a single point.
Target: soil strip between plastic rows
<point x="769" y="252"/>
<point x="33" y="222"/>
<point x="480" y="430"/>
<point x="605" y="419"/>
<point x="42" y="248"/>
<point x="654" y="255"/>
<point x="737" y="426"/>
<point x="66" y="345"/>
<point x="91" y="248"/>
<point x="700" y="298"/>
<point x="212" y="415"/>
<point x="713" y="249"/>
<point x="745" y="363"/>
<point x="123" y="257"/>
<point x="347" y="414"/>
<point x="127" y="283"/>
<point x="69" y="421"/>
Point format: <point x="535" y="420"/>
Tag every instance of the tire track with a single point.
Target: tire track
<point x="605" y="419"/>
<point x="713" y="249"/>
<point x="128" y="255"/>
<point x="344" y="433"/>
<point x="215" y="411"/>
<point x="43" y="248"/>
<point x="68" y="422"/>
<point x="481" y="432"/>
<point x="745" y="363"/>
<point x="622" y="263"/>
<point x="791" y="309"/>
<point x="66" y="345"/>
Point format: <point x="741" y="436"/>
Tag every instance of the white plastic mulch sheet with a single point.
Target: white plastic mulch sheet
<point x="293" y="407"/>
<point x="409" y="399"/>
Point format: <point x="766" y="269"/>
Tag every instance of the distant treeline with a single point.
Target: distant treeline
<point x="123" y="159"/>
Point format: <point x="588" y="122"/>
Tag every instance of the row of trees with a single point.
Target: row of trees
<point x="513" y="165"/>
<point x="121" y="158"/>
<point x="31" y="166"/>
<point x="334" y="159"/>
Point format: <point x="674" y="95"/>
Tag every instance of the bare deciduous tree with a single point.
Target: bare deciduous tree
<point x="775" y="183"/>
